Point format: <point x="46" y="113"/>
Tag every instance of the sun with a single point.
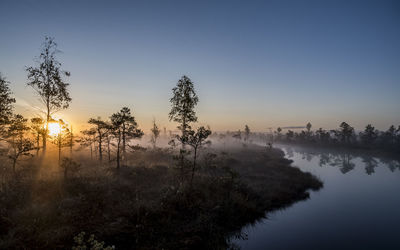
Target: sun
<point x="54" y="128"/>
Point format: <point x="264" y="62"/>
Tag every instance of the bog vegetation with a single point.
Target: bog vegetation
<point x="100" y="189"/>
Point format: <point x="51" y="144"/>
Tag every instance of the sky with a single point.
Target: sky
<point x="261" y="63"/>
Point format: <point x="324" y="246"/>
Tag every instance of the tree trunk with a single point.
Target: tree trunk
<point x="59" y="151"/>
<point x="37" y="144"/>
<point x="100" y="149"/>
<point x="118" y="146"/>
<point x="183" y="130"/>
<point x="71" y="143"/>
<point x="108" y="150"/>
<point x="44" y="140"/>
<point x="194" y="165"/>
<point x="46" y="131"/>
<point x="123" y="143"/>
<point x="182" y="162"/>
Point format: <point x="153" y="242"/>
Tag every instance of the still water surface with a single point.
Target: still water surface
<point x="358" y="207"/>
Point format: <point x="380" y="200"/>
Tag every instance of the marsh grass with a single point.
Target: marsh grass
<point x="144" y="205"/>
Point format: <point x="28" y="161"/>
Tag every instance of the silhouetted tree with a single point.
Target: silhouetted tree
<point x="398" y="137"/>
<point x="71" y="141"/>
<point x="368" y="137"/>
<point x="16" y="137"/>
<point x="47" y="80"/>
<point x="308" y="127"/>
<point x="246" y="133"/>
<point x="101" y="128"/>
<point x="108" y="137"/>
<point x="87" y="139"/>
<point x="6" y="103"/>
<point x="346" y="132"/>
<point x="389" y="136"/>
<point x="124" y="128"/>
<point x="155" y="133"/>
<point x="69" y="165"/>
<point x="183" y="103"/>
<point x="289" y="135"/>
<point x="278" y="133"/>
<point x="38" y="130"/>
<point x="322" y="135"/>
<point x="62" y="139"/>
<point x="196" y="140"/>
<point x="309" y="132"/>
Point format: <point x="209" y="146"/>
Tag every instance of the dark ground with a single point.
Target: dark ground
<point x="145" y="205"/>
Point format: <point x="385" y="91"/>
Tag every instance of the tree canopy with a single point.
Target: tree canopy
<point x="183" y="103"/>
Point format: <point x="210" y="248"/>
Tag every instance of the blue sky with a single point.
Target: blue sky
<point x="261" y="63"/>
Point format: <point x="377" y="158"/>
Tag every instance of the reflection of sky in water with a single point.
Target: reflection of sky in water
<point x="358" y="207"/>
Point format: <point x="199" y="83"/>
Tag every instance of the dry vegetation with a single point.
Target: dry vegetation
<point x="144" y="204"/>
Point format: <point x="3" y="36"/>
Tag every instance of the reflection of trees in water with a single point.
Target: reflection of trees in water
<point x="370" y="164"/>
<point x="324" y="159"/>
<point x="343" y="160"/>
<point x="391" y="164"/>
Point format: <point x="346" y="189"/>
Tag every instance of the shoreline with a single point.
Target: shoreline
<point x="143" y="206"/>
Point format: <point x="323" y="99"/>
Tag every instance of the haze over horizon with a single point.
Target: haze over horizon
<point x="265" y="64"/>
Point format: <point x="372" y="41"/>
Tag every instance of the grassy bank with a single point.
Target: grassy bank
<point x="145" y="205"/>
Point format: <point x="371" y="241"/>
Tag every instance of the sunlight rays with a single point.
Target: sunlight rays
<point x="54" y="128"/>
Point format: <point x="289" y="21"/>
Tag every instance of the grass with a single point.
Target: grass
<point x="145" y="205"/>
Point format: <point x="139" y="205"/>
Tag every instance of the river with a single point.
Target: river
<point x="358" y="207"/>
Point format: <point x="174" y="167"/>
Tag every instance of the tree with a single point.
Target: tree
<point x="62" y="139"/>
<point x="87" y="139"/>
<point x="20" y="145"/>
<point x="289" y="135"/>
<point x="309" y="133"/>
<point x="124" y="127"/>
<point x="69" y="165"/>
<point x="183" y="103"/>
<point x="108" y="138"/>
<point x="155" y="133"/>
<point x="368" y="137"/>
<point x="398" y="135"/>
<point x="246" y="133"/>
<point x="6" y="103"/>
<point x="278" y="133"/>
<point x="116" y="122"/>
<point x="196" y="140"/>
<point x="38" y="130"/>
<point x="47" y="80"/>
<point x="101" y="128"/>
<point x="322" y="135"/>
<point x="71" y="141"/>
<point x="346" y="132"/>
<point x="308" y="127"/>
<point x="390" y="136"/>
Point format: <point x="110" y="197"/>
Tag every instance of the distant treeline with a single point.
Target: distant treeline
<point x="345" y="135"/>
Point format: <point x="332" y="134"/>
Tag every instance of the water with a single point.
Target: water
<point x="358" y="207"/>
